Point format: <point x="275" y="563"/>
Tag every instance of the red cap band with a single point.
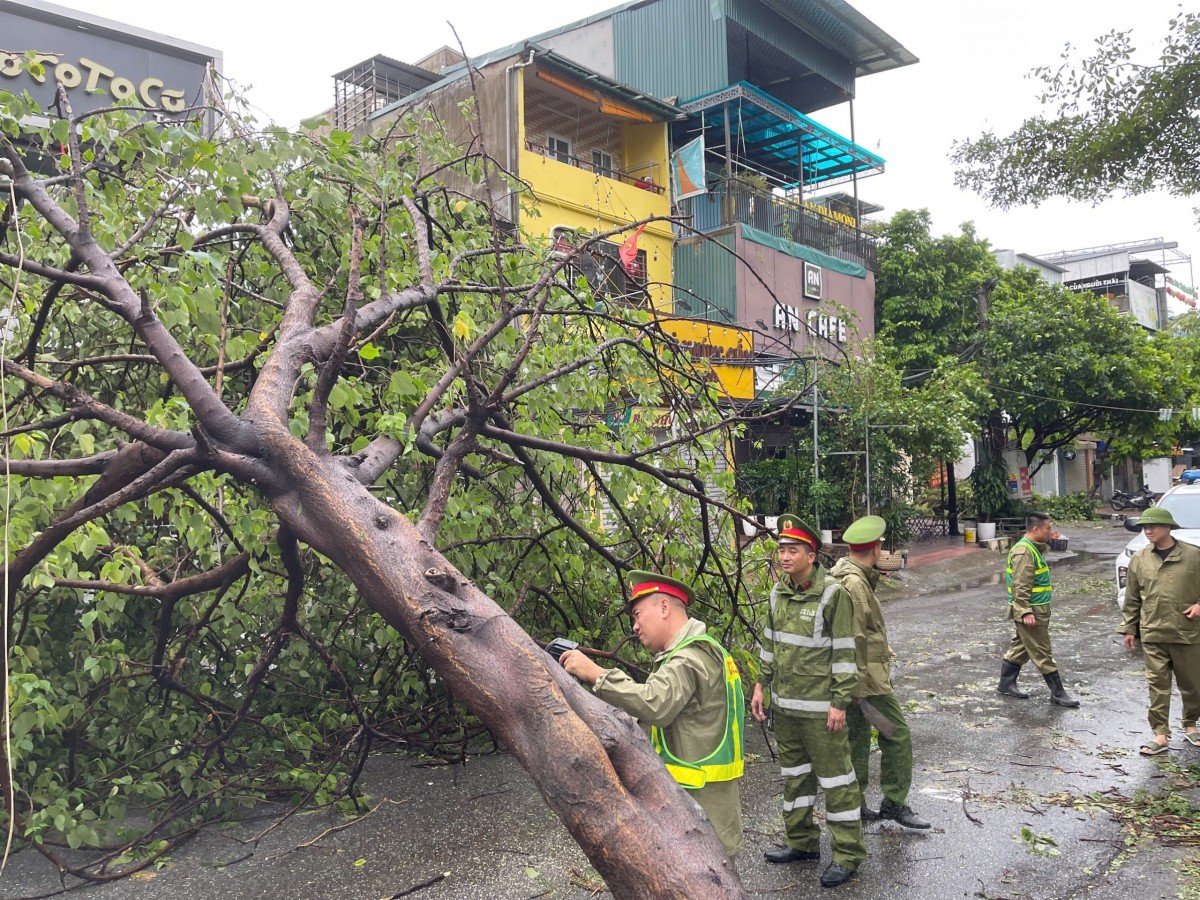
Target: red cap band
<point x="866" y="546"/>
<point x="797" y="535"/>
<point x="657" y="587"/>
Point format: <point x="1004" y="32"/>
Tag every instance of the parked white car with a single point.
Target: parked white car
<point x="1183" y="501"/>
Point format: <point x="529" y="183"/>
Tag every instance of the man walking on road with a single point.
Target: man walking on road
<point x="808" y="664"/>
<point x="692" y="703"/>
<point x="873" y="695"/>
<point x="1162" y="610"/>
<point x="1029" y="592"/>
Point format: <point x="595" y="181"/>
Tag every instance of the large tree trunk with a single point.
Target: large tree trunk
<point x="589" y="760"/>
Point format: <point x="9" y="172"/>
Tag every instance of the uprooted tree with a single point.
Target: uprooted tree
<point x="296" y="434"/>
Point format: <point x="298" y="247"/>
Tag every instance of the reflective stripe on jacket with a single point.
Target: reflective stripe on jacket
<point x="808" y="658"/>
<point x="727" y="761"/>
<point x="1027" y="577"/>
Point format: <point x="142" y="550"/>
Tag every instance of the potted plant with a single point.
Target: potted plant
<point x="989" y="486"/>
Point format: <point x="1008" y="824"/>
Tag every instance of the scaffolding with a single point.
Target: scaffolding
<point x="363" y="89"/>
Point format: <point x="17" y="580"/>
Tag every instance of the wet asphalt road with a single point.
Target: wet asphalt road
<point x="987" y="767"/>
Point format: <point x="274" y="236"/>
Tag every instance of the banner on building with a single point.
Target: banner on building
<point x="687" y="170"/>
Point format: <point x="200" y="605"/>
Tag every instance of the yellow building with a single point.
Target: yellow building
<point x="592" y="152"/>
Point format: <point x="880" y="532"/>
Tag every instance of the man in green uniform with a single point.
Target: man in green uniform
<point x="1029" y="594"/>
<point x="873" y="694"/>
<point x="808" y="663"/>
<point x="692" y="702"/>
<point x="1162" y="610"/>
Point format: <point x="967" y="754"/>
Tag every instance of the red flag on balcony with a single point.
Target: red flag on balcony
<point x="628" y="253"/>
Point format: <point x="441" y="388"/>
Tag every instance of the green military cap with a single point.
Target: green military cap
<point x="643" y="584"/>
<point x="794" y="530"/>
<point x="1156" y="515"/>
<point x="865" y="532"/>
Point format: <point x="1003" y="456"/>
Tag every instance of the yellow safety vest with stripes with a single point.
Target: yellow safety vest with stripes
<point x="1041" y="575"/>
<point x="725" y="763"/>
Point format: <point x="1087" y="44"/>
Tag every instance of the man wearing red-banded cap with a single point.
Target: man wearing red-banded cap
<point x="808" y="664"/>
<point x="692" y="703"/>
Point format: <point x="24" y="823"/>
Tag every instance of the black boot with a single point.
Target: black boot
<point x="1008" y="680"/>
<point x="1058" y="694"/>
<point x="902" y="814"/>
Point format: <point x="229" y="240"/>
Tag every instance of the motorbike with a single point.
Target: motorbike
<point x="1143" y="499"/>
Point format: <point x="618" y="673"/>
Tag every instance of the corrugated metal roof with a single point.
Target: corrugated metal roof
<point x="839" y="25"/>
<point x="554" y="60"/>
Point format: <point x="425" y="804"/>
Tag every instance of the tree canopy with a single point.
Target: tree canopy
<point x="1119" y="125"/>
<point x="302" y="446"/>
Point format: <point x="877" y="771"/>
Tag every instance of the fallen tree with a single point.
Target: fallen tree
<point x="256" y="380"/>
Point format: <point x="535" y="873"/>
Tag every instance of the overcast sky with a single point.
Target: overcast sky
<point x="975" y="59"/>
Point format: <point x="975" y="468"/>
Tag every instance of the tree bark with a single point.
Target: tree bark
<point x="591" y="762"/>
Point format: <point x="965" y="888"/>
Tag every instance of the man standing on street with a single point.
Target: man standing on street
<point x="873" y="695"/>
<point x="809" y="666"/>
<point x="692" y="702"/>
<point x="1029" y="594"/>
<point x="1162" y="610"/>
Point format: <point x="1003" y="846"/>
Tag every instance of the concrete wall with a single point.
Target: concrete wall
<point x="590" y="46"/>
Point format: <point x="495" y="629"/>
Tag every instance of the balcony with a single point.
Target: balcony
<point x="645" y="182"/>
<point x="736" y="202"/>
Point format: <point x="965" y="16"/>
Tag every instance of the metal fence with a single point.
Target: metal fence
<point x="727" y="204"/>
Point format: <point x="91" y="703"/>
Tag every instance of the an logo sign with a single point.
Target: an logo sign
<point x="812" y="281"/>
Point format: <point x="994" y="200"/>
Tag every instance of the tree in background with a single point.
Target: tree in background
<point x="1061" y="364"/>
<point x="295" y="435"/>
<point x="1119" y="127"/>
<point x="927" y="289"/>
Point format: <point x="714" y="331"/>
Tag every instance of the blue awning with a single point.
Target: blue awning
<point x="768" y="135"/>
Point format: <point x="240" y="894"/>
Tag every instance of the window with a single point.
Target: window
<point x="600" y="264"/>
<point x="558" y="148"/>
<point x="602" y="163"/>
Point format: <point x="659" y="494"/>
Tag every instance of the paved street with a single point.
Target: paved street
<point x="989" y="770"/>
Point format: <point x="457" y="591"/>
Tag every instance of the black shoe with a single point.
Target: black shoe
<point x="835" y="875"/>
<point x="1058" y="694"/>
<point x="901" y="814"/>
<point x="788" y="855"/>
<point x="870" y="815"/>
<point x="1008" y="680"/>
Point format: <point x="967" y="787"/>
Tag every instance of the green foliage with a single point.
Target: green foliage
<point x="192" y="708"/>
<point x="1067" y="508"/>
<point x="926" y="289"/>
<point x="1062" y="364"/>
<point x="1117" y="124"/>
<point x="989" y="489"/>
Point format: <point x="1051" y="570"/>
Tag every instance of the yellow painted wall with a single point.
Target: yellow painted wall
<point x="589" y="202"/>
<point x="736" y="381"/>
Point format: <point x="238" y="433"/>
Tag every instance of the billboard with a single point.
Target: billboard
<point x="97" y="60"/>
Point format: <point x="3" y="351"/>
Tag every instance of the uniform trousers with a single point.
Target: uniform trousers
<point x="1161" y="661"/>
<point x="896" y="754"/>
<point x="1032" y="642"/>
<point x="811" y="757"/>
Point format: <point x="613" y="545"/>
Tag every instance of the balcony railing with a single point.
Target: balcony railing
<point x="728" y="204"/>
<point x="638" y="181"/>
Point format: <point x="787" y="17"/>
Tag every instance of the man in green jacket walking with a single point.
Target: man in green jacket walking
<point x="1029" y="592"/>
<point x="692" y="702"/>
<point x="808" y="664"/>
<point x="1162" y="610"/>
<point x="873" y="694"/>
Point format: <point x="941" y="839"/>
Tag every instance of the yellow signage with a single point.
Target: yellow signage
<point x="709" y="344"/>
<point x="832" y="214"/>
